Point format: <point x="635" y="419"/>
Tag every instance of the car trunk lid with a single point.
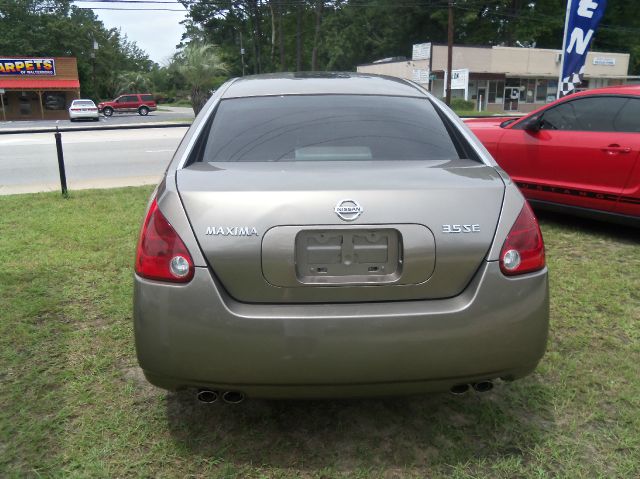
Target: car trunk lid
<point x="342" y="231"/>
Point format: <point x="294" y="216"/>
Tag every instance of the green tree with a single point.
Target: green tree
<point x="58" y="28"/>
<point x="202" y="69"/>
<point x="340" y="34"/>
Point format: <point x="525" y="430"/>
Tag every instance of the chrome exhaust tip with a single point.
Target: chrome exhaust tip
<point x="233" y="397"/>
<point x="207" y="396"/>
<point x="459" y="389"/>
<point x="483" y="386"/>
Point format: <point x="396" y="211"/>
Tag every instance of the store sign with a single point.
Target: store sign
<point x="421" y="51"/>
<point x="459" y="81"/>
<point x="420" y="76"/>
<point x="27" y="66"/>
<point x="606" y="61"/>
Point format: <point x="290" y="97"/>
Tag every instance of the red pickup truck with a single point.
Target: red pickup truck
<point x="142" y="103"/>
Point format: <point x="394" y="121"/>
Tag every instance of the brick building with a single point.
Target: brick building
<point x="37" y="88"/>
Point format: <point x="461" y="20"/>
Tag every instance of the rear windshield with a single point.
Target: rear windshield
<point x="83" y="103"/>
<point x="327" y="128"/>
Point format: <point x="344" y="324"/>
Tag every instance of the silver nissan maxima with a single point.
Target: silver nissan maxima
<point x="335" y="235"/>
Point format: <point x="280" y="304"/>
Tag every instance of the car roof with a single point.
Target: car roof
<point x="631" y="89"/>
<point x="320" y="83"/>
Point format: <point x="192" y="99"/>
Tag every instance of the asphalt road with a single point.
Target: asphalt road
<point x="164" y="114"/>
<point x="93" y="159"/>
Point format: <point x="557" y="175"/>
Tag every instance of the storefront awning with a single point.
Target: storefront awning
<point x="29" y="84"/>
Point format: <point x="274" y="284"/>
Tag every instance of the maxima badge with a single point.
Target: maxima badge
<point x="348" y="210"/>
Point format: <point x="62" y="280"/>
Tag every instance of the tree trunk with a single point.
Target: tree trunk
<point x="258" y="34"/>
<point x="198" y="99"/>
<point x="299" y="36"/>
<point x="283" y="60"/>
<point x="273" y="33"/>
<point x="316" y="36"/>
<point x="252" y="7"/>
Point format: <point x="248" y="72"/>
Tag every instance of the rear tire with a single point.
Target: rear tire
<point x="107" y="111"/>
<point x="143" y="111"/>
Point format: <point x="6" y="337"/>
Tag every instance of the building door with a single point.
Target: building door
<point x="481" y="103"/>
<point x="511" y="96"/>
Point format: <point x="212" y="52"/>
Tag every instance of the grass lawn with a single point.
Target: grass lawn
<point x="73" y="403"/>
<point x="473" y="113"/>
<point x="177" y="103"/>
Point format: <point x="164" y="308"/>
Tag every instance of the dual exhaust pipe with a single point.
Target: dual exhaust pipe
<point x="481" y="387"/>
<point x="208" y="396"/>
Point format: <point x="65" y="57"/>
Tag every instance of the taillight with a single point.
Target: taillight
<point x="161" y="254"/>
<point x="523" y="250"/>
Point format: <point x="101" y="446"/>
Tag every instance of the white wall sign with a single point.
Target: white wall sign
<point x="606" y="61"/>
<point x="420" y="76"/>
<point x="421" y="51"/>
<point x="459" y="81"/>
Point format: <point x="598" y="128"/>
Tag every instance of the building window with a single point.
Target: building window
<point x="552" y="90"/>
<point x="25" y="104"/>
<point x="54" y="100"/>
<point x="496" y="91"/>
<point x="530" y="90"/>
<point x="541" y="91"/>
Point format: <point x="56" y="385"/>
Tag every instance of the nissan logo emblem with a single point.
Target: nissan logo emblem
<point x="348" y="210"/>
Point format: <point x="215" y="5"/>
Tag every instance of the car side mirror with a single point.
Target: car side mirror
<point x="534" y="125"/>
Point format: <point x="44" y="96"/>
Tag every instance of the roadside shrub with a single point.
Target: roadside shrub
<point x="460" y="104"/>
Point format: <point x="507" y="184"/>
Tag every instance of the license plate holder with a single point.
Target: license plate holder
<point x="339" y="256"/>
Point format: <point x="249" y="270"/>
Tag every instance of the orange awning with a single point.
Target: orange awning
<point x="32" y="84"/>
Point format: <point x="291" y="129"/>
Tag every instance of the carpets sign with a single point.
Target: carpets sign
<point x="27" y="66"/>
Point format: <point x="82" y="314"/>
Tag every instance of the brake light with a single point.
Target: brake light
<point x="523" y="250"/>
<point x="161" y="254"/>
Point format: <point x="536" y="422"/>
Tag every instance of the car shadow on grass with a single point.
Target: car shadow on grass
<point x="592" y="227"/>
<point x="365" y="434"/>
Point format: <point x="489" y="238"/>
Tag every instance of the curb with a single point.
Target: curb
<point x="133" y="126"/>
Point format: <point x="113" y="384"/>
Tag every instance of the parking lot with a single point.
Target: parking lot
<point x="163" y="114"/>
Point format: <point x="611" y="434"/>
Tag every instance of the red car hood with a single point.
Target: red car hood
<point x="488" y="122"/>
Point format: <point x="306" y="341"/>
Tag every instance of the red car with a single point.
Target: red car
<point x="579" y="153"/>
<point x="142" y="103"/>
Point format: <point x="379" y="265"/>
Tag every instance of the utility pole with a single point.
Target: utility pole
<point x="93" y="66"/>
<point x="242" y="53"/>
<point x="449" y="53"/>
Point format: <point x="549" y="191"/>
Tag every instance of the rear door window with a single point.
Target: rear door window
<point x="584" y="114"/>
<point x="327" y="128"/>
<point x="628" y="118"/>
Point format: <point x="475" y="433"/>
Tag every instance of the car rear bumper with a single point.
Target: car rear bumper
<point x="83" y="114"/>
<point x="194" y="335"/>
